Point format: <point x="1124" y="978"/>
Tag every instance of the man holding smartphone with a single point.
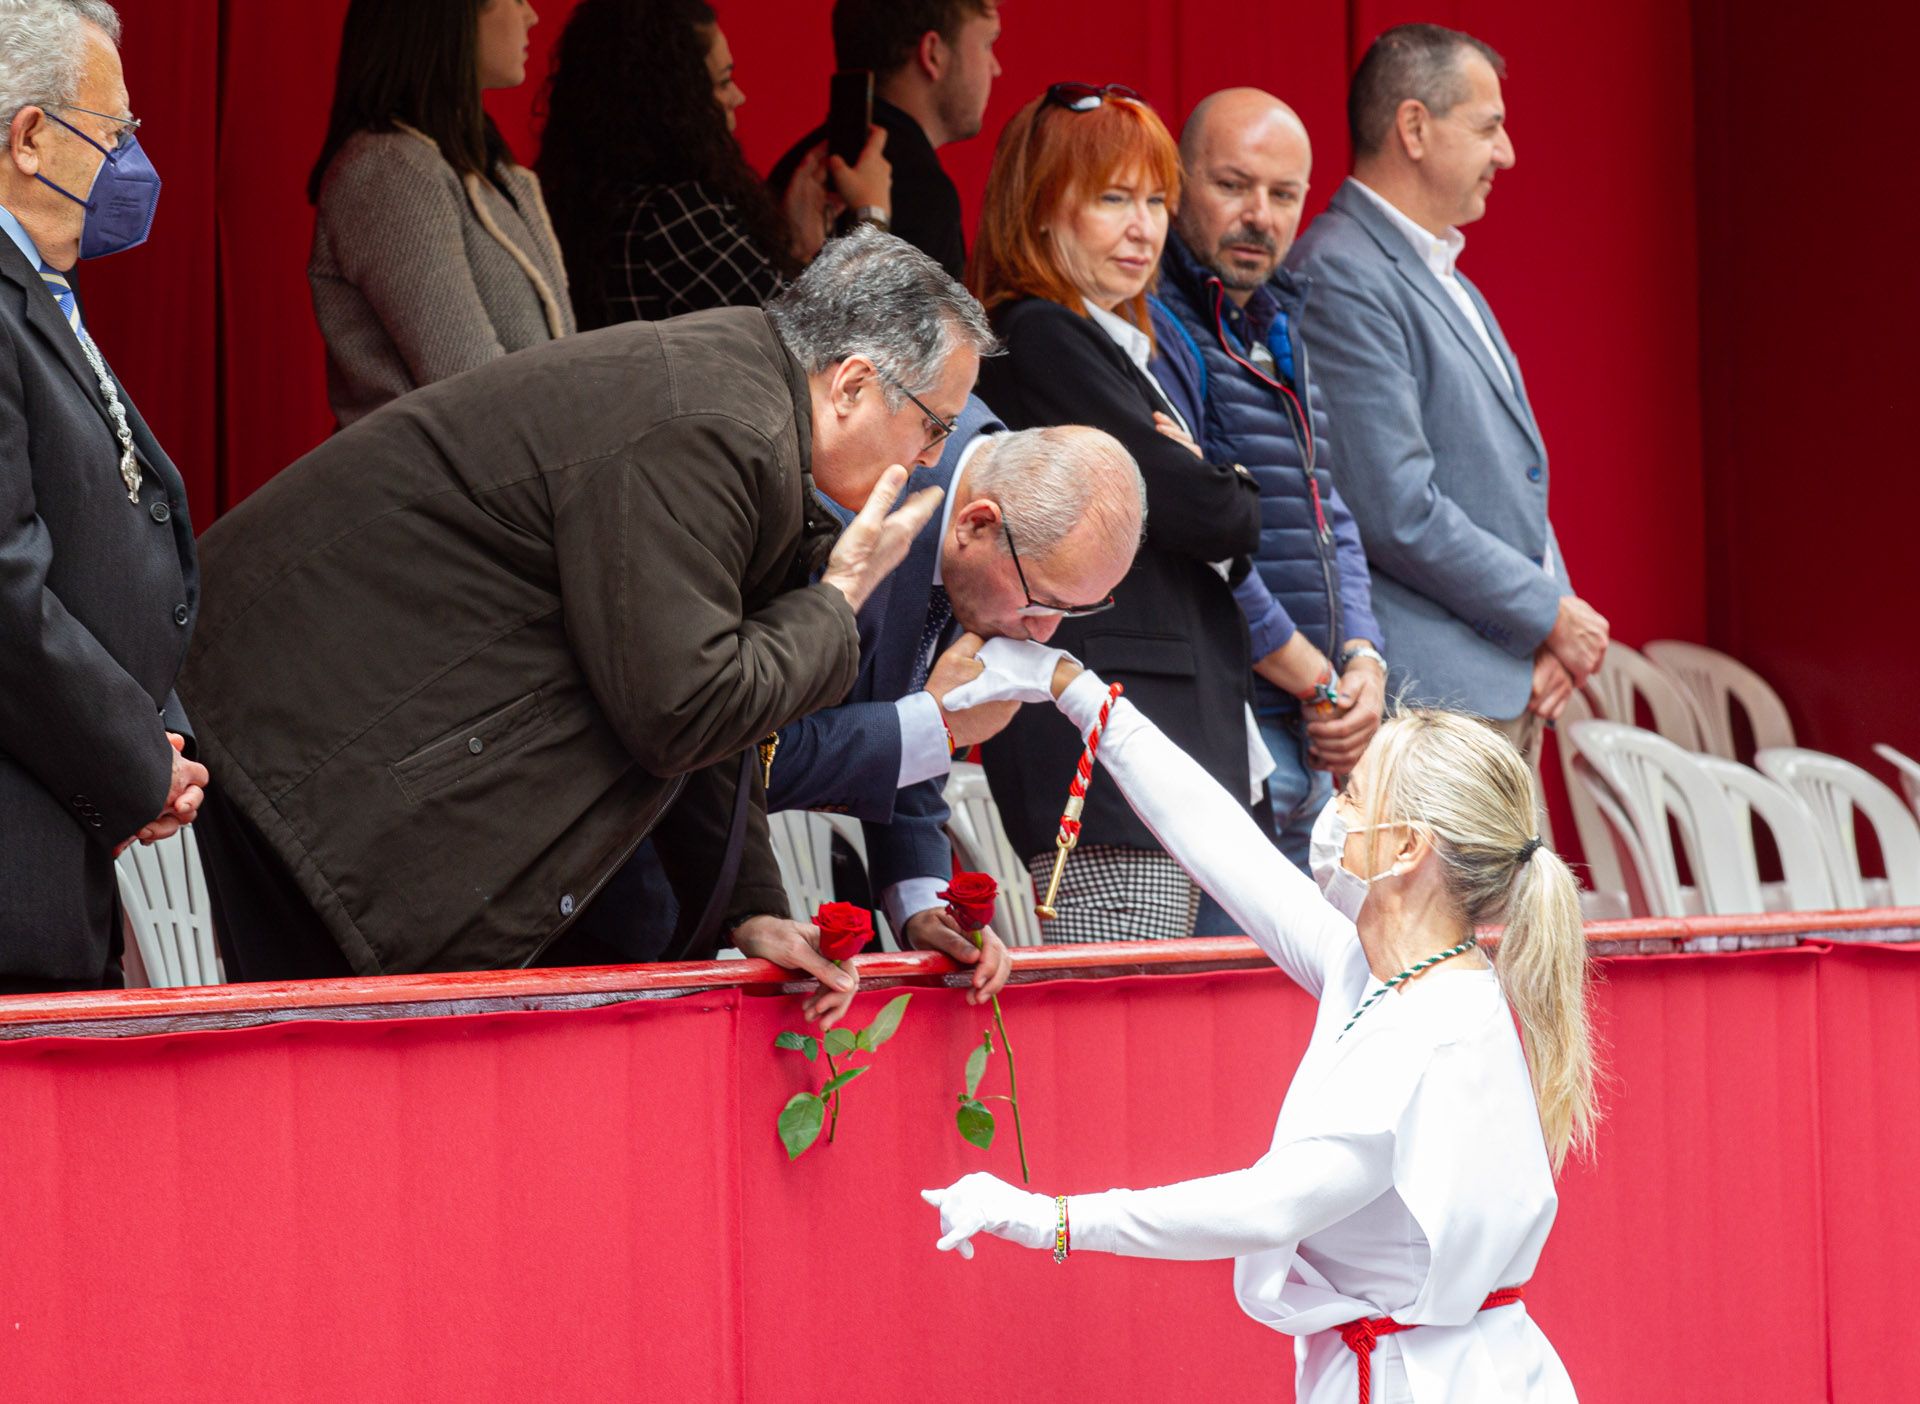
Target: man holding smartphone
<point x="932" y="68"/>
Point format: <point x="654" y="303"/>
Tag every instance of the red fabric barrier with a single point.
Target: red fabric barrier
<point x="1869" y="1089"/>
<point x="593" y="1203"/>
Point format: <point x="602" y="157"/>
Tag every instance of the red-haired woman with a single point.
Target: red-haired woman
<point x="1076" y="214"/>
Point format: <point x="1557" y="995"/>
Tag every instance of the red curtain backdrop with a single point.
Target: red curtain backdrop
<point x="593" y="1204"/>
<point x="1618" y="269"/>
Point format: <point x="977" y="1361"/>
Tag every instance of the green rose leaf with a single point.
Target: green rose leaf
<point x="887" y="1022"/>
<point x="840" y="1042"/>
<point x="799" y="1043"/>
<point x="862" y="1042"/>
<point x="800" y="1122"/>
<point x="976" y="1068"/>
<point x="976" y="1124"/>
<point x="834" y="1084"/>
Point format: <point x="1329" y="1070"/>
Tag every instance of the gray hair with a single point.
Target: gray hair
<point x="1418" y="61"/>
<point x="1049" y="481"/>
<point x="871" y="295"/>
<point x="43" y="46"/>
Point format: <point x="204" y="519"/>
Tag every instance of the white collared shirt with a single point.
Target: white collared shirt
<point x="1138" y="347"/>
<point x="1441" y="255"/>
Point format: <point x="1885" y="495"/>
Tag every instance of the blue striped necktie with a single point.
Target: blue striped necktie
<point x="62" y="291"/>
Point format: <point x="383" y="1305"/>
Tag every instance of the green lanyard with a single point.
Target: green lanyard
<point x="1406" y="975"/>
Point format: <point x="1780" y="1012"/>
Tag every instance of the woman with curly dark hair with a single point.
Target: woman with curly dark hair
<point x="657" y="210"/>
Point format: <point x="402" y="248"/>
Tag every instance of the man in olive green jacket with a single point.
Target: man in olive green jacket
<point x="455" y="664"/>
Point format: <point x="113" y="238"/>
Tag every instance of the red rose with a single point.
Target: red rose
<point x="970" y="898"/>
<point x="844" y="929"/>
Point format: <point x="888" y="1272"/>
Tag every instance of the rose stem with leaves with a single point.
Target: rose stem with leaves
<point x="833" y="1122"/>
<point x="1013" y="1076"/>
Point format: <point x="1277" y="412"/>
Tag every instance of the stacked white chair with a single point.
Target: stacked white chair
<point x="981" y="845"/>
<point x="1651" y="779"/>
<point x="803" y="844"/>
<point x="1807" y="886"/>
<point x="1611" y="694"/>
<point x="1832" y="789"/>
<point x="163" y="893"/>
<point x="1714" y="683"/>
<point x="1909" y="771"/>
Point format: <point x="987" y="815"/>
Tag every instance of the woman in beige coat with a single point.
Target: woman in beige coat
<point x="432" y="251"/>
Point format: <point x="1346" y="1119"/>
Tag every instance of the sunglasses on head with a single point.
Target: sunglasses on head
<point x="1084" y="97"/>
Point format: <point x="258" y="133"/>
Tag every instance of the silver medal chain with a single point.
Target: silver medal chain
<point x="129" y="465"/>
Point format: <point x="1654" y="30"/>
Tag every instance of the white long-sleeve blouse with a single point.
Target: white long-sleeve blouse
<point x="1408" y="1176"/>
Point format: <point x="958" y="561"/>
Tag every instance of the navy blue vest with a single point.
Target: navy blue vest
<point x="1247" y="422"/>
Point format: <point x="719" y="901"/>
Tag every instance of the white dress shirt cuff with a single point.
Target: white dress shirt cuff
<point x="923" y="739"/>
<point x="908" y="899"/>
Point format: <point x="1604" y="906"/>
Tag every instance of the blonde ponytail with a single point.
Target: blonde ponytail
<point x="1542" y="966"/>
<point x="1466" y="785"/>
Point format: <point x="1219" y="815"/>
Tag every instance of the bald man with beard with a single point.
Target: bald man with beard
<point x="1227" y="324"/>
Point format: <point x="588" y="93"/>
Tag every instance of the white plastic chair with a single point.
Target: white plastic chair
<point x="1909" y="771"/>
<point x="1651" y="778"/>
<point x="803" y="844"/>
<point x="1627" y="676"/>
<point x="1715" y="682"/>
<point x="980" y="841"/>
<point x="164" y="895"/>
<point x="1611" y="694"/>
<point x="1832" y="789"/>
<point x="1807" y="884"/>
<point x="1614" y="843"/>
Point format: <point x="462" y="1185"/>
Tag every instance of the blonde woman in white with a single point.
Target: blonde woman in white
<point x="1392" y="1227"/>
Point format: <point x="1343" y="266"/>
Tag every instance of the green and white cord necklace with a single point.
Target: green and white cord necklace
<point x="1406" y="975"/>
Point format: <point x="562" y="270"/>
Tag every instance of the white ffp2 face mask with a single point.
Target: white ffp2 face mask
<point x="1345" y="890"/>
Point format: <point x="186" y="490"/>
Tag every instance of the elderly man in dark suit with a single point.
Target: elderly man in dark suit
<point x="460" y="660"/>
<point x="98" y="587"/>
<point x="883" y="754"/>
<point x="1444" y="466"/>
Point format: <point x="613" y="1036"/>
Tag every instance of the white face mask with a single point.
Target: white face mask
<point x="1345" y="890"/>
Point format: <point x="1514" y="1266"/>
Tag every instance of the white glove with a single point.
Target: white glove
<point x="981" y="1203"/>
<point x="1016" y="670"/>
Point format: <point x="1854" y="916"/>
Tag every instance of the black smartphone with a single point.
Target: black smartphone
<point x="849" y="113"/>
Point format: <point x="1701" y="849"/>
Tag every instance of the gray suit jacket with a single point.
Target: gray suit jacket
<point x="97" y="601"/>
<point x="1444" y="469"/>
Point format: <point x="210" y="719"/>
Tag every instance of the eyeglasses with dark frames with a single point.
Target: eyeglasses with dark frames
<point x="937" y="428"/>
<point x="1039" y="609"/>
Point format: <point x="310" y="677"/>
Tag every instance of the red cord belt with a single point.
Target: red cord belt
<point x="1360" y="1335"/>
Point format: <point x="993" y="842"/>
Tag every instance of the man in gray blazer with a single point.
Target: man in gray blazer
<point x="1443" y="466"/>
<point x="98" y="584"/>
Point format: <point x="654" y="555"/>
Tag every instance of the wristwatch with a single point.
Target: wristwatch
<point x="874" y="215"/>
<point x="1362" y="651"/>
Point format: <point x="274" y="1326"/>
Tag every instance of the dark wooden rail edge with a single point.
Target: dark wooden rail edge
<point x="132" y="1013"/>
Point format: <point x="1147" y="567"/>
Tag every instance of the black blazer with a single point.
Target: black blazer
<point x="1176" y="638"/>
<point x="97" y="600"/>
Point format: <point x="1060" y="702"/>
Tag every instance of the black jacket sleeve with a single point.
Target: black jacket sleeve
<point x="1061" y="368"/>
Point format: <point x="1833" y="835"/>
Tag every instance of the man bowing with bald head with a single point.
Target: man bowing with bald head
<point x="1227" y="324"/>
